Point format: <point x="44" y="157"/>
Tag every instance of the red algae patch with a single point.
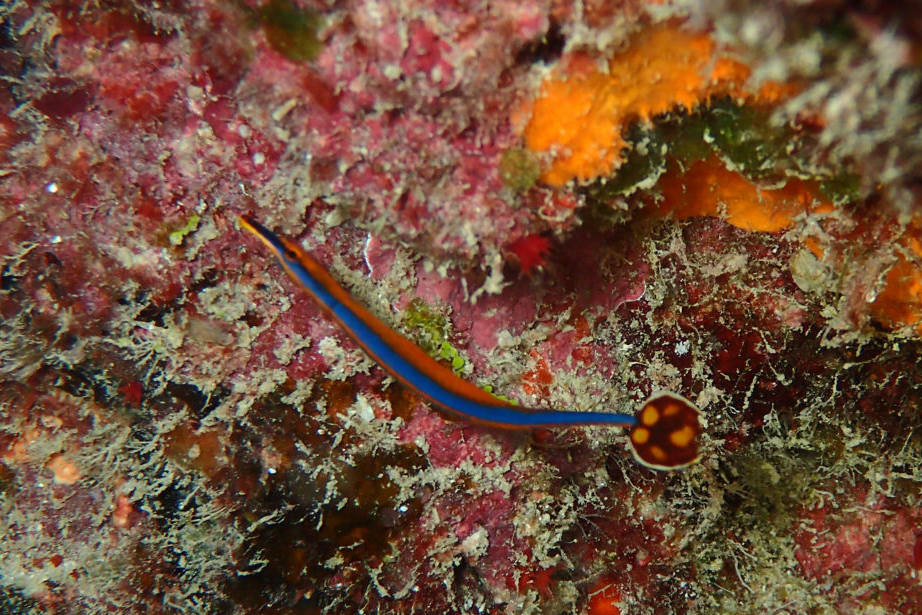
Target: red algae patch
<point x="845" y="546"/>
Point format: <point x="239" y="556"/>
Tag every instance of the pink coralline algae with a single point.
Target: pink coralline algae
<point x="181" y="430"/>
<point x="868" y="554"/>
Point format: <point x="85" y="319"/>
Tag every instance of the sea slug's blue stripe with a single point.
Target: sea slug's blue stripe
<point x="502" y="415"/>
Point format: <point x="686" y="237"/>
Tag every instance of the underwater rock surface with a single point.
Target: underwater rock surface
<point x="572" y="205"/>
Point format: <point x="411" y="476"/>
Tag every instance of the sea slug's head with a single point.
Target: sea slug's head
<point x="286" y="251"/>
<point x="666" y="434"/>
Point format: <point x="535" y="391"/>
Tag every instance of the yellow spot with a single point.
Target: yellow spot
<point x="649" y="416"/>
<point x="579" y="118"/>
<point x="658" y="453"/>
<point x="682" y="437"/>
<point x="641" y="435"/>
<point x="671" y="409"/>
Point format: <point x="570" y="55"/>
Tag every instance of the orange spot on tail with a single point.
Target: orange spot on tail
<point x="640" y="435"/>
<point x="649" y="416"/>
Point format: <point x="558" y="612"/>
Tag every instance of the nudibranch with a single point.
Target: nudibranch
<point x="663" y="433"/>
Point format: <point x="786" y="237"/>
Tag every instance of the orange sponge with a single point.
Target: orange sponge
<point x="578" y="119"/>
<point x="899" y="303"/>
<point x="708" y="188"/>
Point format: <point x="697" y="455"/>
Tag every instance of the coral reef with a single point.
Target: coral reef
<point x="571" y="204"/>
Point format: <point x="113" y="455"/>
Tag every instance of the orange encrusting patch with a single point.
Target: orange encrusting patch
<point x="123" y="510"/>
<point x="708" y="188"/>
<point x="813" y="244"/>
<point x="580" y="115"/>
<point x="64" y="470"/>
<point x="604" y="599"/>
<point x="899" y="303"/>
<point x="579" y="118"/>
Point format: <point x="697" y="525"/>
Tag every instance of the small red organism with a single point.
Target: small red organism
<point x="538" y="380"/>
<point x="132" y="392"/>
<point x="123" y="511"/>
<point x="531" y="251"/>
<point x="539" y="579"/>
<point x="604" y="599"/>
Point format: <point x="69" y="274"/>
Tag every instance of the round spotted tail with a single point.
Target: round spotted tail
<point x="665" y="436"/>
